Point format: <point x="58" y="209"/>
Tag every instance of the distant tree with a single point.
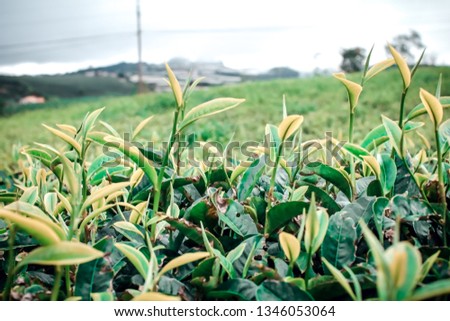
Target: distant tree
<point x="353" y="59"/>
<point x="408" y="45"/>
<point x="283" y="72"/>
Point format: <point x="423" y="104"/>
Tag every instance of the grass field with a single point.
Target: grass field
<point x="322" y="100"/>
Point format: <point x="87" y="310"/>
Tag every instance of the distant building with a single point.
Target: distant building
<point x="32" y="99"/>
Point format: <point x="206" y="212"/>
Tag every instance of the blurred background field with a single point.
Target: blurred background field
<point x="321" y="99"/>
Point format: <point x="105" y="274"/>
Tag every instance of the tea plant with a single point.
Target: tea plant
<point x="287" y="221"/>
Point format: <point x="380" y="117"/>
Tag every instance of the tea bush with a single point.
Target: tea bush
<point x="287" y="219"/>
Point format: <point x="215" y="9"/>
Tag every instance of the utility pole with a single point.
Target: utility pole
<point x="141" y="86"/>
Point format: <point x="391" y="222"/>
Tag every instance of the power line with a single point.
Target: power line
<point x="64" y="40"/>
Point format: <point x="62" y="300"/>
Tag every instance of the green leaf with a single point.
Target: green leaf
<point x="281" y="291"/>
<point x="235" y="288"/>
<point x="421" y="110"/>
<point x="272" y="142"/>
<point x="123" y="227"/>
<point x="427" y="265"/>
<point x="402" y="67"/>
<point x="444" y="132"/>
<point x="236" y="253"/>
<point x="378" y="209"/>
<point x="41" y="231"/>
<point x="433" y="107"/>
<point x="432" y="290"/>
<point x="388" y="172"/>
<point x="175" y="86"/>
<point x="209" y="108"/>
<point x="182" y="260"/>
<point x="95" y="277"/>
<point x="281" y="214"/>
<point x="353" y="90"/>
<point x="237" y="172"/>
<point x="340" y="278"/>
<point x="331" y="175"/>
<point x="405" y="264"/>
<point x="240" y="222"/>
<point x="89" y="121"/>
<point x="394" y="133"/>
<point x="194" y="232"/>
<point x="378" y="67"/>
<point x="339" y="245"/>
<point x="129" y="150"/>
<point x="104" y="192"/>
<point x="250" y="178"/>
<point x="289" y="126"/>
<point x="136" y="257"/>
<point x="68" y="139"/>
<point x="323" y="197"/>
<point x="204" y="268"/>
<point x="356" y="150"/>
<point x="383" y="272"/>
<point x="315" y="227"/>
<point x="62" y="253"/>
<point x="290" y="246"/>
<point x="35" y="213"/>
<point x="141" y="126"/>
<point x="378" y="136"/>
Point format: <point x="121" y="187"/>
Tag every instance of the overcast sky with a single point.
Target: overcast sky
<point x="51" y="36"/>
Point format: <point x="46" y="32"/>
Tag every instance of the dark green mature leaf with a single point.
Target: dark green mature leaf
<point x="95" y="276"/>
<point x="378" y="209"/>
<point x="253" y="246"/>
<point x="198" y="212"/>
<point x="404" y="182"/>
<point x="194" y="233"/>
<point x="407" y="208"/>
<point x="322" y="198"/>
<point x="281" y="291"/>
<point x="235" y="288"/>
<point x="339" y="245"/>
<point x="250" y="178"/>
<point x="388" y="172"/>
<point x="204" y="268"/>
<point x="281" y="214"/>
<point x="375" y="188"/>
<point x="429" y="291"/>
<point x="378" y="136"/>
<point x="240" y="222"/>
<point x="331" y="175"/>
<point x="170" y="286"/>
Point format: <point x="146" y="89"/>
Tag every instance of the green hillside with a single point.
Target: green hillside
<point x="322" y="100"/>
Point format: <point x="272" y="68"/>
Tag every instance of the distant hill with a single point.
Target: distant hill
<point x="12" y="89"/>
<point x="121" y="79"/>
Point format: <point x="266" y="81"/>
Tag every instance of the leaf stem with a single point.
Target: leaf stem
<point x="67" y="281"/>
<point x="402" y="108"/>
<point x="57" y="284"/>
<point x="157" y="188"/>
<point x="352" y="161"/>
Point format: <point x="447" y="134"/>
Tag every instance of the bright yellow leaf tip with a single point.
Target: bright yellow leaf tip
<point x="433" y="107"/>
